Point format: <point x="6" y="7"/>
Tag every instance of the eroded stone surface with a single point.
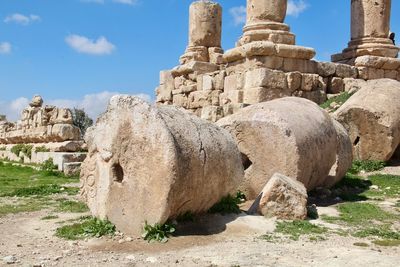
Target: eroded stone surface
<point x="284" y="197"/>
<point x="292" y="136"/>
<point x="151" y="164"/>
<point x="372" y="118"/>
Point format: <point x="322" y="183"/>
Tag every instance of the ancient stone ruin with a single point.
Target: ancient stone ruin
<point x="267" y="64"/>
<point x="148" y="164"/>
<point x="47" y="132"/>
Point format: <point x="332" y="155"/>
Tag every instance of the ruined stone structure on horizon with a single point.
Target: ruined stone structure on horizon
<point x="46" y="127"/>
<point x="266" y="62"/>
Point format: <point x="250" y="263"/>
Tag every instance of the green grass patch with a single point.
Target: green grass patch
<point x="87" y="227"/>
<point x="339" y="99"/>
<point x="72" y="206"/>
<point x="295" y="229"/>
<point x="360" y="213"/>
<point x="381" y="231"/>
<point x="389" y="185"/>
<point x="158" y="232"/>
<point x="25" y="181"/>
<point x="49" y="217"/>
<point x="229" y="204"/>
<point x="387" y="243"/>
<point x="356" y="188"/>
<point x="25" y="149"/>
<point x="366" y="166"/>
<point x="41" y="149"/>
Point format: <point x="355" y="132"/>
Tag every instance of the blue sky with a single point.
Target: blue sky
<point x="79" y="52"/>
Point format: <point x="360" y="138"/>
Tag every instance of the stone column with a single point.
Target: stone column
<point x="265" y="22"/>
<point x="205" y="25"/>
<point x="370" y="27"/>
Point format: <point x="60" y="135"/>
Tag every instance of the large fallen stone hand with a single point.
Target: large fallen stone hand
<point x="372" y="118"/>
<point x="151" y="164"/>
<point x="292" y="136"/>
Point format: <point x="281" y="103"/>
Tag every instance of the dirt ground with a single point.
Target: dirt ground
<point x="217" y="240"/>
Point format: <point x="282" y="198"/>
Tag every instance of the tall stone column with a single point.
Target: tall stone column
<point x="265" y="22"/>
<point x="370" y="27"/>
<point x="205" y="26"/>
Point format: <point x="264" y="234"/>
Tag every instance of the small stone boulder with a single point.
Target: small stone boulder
<point x="372" y="119"/>
<point x="148" y="164"/>
<point x="284" y="197"/>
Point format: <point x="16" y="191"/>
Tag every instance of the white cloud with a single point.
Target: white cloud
<point x="22" y="19"/>
<point x="239" y="14"/>
<point x="5" y="48"/>
<point x="93" y="104"/>
<point x="82" y="44"/>
<point x="13" y="108"/>
<point x="126" y="2"/>
<point x="294" y="8"/>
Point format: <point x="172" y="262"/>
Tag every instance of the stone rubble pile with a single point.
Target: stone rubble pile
<point x="40" y="124"/>
<point x="49" y="132"/>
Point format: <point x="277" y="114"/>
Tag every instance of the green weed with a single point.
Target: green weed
<point x="158" y="232"/>
<point x="367" y="166"/>
<point x="89" y="227"/>
<point x="340" y="100"/>
<point x="295" y="229"/>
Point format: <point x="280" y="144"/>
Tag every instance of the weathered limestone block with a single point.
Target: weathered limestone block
<point x="353" y="85"/>
<point x="336" y="85"/>
<point x="285" y="198"/>
<point x="263" y="77"/>
<point x="344" y="156"/>
<point x="326" y="69"/>
<point x="292" y="136"/>
<point x="212" y="113"/>
<point x="346" y="71"/>
<point x="391" y="74"/>
<point x="262" y="94"/>
<point x="234" y="82"/>
<point x="309" y="82"/>
<point x="301" y="65"/>
<point x="293" y="80"/>
<point x="372" y="119"/>
<point x="151" y="164"/>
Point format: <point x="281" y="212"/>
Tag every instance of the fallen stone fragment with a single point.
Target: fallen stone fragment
<point x="285" y="198"/>
<point x="148" y="164"/>
<point x="372" y="119"/>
